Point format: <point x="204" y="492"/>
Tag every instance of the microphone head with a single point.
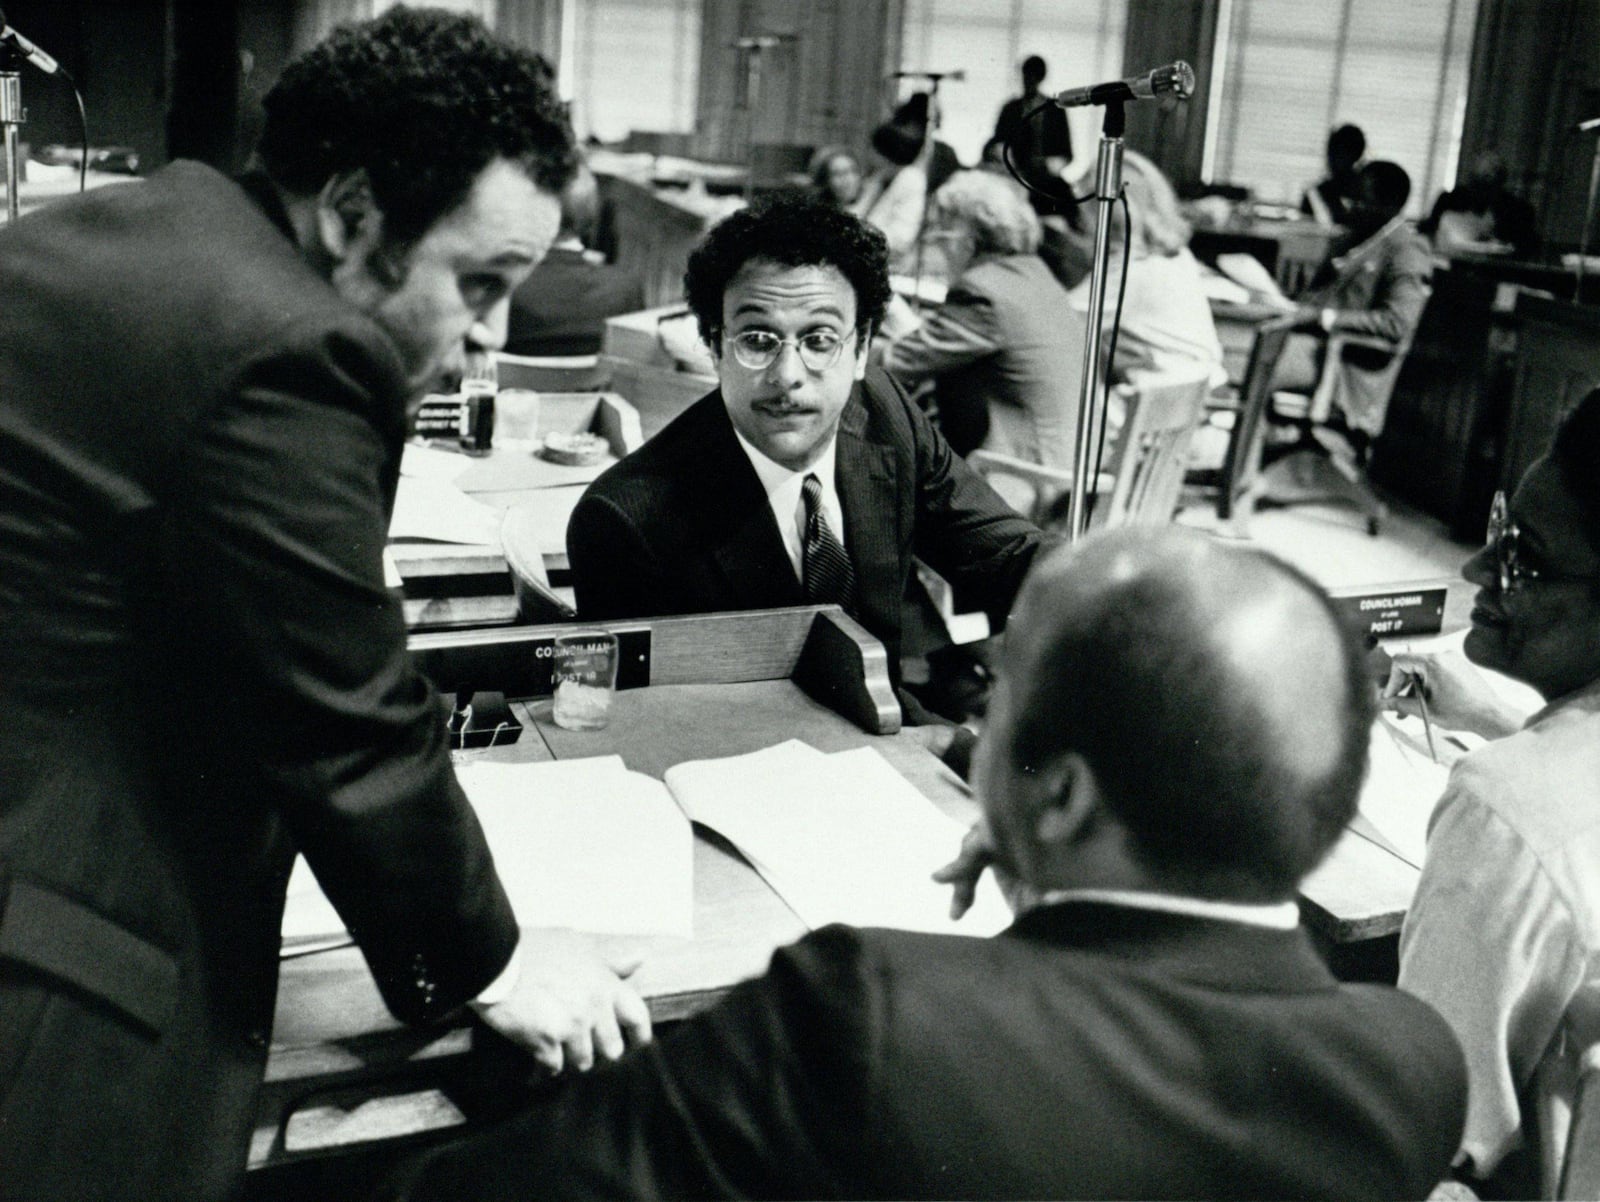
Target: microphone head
<point x="1176" y="80"/>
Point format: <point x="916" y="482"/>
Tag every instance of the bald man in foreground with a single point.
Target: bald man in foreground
<point x="1177" y="738"/>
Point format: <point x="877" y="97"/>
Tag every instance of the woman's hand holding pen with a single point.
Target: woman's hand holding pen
<point x="1455" y="694"/>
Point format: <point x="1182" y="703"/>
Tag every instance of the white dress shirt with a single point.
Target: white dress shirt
<point x="1279" y="916"/>
<point x="783" y="489"/>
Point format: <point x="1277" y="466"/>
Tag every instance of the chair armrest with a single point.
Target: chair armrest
<point x="1035" y="473"/>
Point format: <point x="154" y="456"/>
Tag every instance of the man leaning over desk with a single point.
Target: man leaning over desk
<point x="204" y="386"/>
<point x="805" y="478"/>
<point x="1177" y="737"/>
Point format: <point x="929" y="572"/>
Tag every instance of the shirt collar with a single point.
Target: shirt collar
<point x="1278" y="916"/>
<point x="774" y="475"/>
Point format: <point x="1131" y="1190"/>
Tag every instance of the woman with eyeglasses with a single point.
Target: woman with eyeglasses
<point x="1503" y="937"/>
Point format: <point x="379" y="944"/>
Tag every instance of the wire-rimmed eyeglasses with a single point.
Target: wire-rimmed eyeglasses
<point x="1504" y="541"/>
<point x="758" y="350"/>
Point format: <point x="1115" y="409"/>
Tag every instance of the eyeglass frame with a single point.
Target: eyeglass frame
<point x="794" y="341"/>
<point x="1501" y="538"/>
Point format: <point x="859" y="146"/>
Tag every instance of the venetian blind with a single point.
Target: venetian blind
<point x="632" y="65"/>
<point x="1294" y="69"/>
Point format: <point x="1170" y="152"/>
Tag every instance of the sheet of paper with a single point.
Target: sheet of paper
<point x="431" y="463"/>
<point x="1247" y="270"/>
<point x="438" y="510"/>
<point x="583" y="843"/>
<point x="841" y="838"/>
<point x="1402" y="786"/>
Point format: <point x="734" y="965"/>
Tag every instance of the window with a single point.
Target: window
<point x="630" y="65"/>
<point x="1081" y="40"/>
<point x="1294" y="69"/>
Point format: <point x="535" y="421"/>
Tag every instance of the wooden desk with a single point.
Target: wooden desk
<point x="657" y="225"/>
<point x="450" y="585"/>
<point x="642" y="371"/>
<point x="719" y="685"/>
<point x="1291" y="250"/>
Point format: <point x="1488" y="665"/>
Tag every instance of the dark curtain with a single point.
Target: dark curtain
<point x="1159" y="32"/>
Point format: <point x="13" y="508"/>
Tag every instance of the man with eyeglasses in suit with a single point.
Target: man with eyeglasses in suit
<point x="806" y="477"/>
<point x="1505" y="928"/>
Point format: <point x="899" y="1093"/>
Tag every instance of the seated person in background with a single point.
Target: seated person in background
<point x="1004" y="351"/>
<point x="1329" y="199"/>
<point x="1154" y="1024"/>
<point x="561" y="309"/>
<point x="942" y="161"/>
<point x="1041" y="143"/>
<point x="1166" y="326"/>
<point x="1376" y="288"/>
<point x="805" y="478"/>
<point x="836" y="176"/>
<point x="894" y="196"/>
<point x="1482" y="214"/>
<point x="1505" y="926"/>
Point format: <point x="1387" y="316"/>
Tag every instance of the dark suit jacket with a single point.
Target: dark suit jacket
<point x="682" y="525"/>
<point x="200" y="667"/>
<point x="1091" y="1051"/>
<point x="561" y="308"/>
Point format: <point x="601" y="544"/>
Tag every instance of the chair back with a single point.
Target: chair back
<point x="1567" y="1094"/>
<point x="1242" y="462"/>
<point x="1153" y="450"/>
<point x="551" y="373"/>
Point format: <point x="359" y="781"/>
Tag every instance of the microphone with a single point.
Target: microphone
<point x="27" y="49"/>
<point x="1583" y="127"/>
<point x="1175" y="79"/>
<point x="955" y="75"/>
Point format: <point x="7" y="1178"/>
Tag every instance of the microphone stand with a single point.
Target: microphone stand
<point x="752" y="93"/>
<point x="1107" y="188"/>
<point x="12" y="115"/>
<point x="934" y="78"/>
<point x="1588" y="218"/>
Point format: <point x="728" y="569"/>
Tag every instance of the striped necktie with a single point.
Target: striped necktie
<point x="828" y="576"/>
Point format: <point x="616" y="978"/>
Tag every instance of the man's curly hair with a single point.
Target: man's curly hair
<point x="423" y="100"/>
<point x="791" y="230"/>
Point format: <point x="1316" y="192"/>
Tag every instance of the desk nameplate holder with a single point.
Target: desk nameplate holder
<point x="1393" y="613"/>
<point x="517" y="666"/>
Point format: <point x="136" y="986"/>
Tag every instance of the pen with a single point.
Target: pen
<point x="1427" y="722"/>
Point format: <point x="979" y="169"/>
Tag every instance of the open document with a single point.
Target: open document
<point x="1401" y="788"/>
<point x="584" y="844"/>
<point x="841" y="838"/>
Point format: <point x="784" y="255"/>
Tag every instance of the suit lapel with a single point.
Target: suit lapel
<point x="741" y="534"/>
<point x="866" y="483"/>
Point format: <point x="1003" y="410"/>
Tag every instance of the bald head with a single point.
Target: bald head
<point x="1212" y="690"/>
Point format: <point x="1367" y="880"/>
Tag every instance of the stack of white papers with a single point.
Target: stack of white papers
<point x="841" y="838"/>
<point x="584" y="844"/>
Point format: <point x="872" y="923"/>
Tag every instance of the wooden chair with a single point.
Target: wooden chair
<point x="1231" y="484"/>
<point x="1567" y="1095"/>
<point x="1147" y="465"/>
<point x="551" y="373"/>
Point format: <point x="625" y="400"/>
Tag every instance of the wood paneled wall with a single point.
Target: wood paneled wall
<point x="825" y="86"/>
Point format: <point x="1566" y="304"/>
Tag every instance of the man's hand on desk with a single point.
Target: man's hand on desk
<point x="1457" y="694"/>
<point x="567" y="1005"/>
